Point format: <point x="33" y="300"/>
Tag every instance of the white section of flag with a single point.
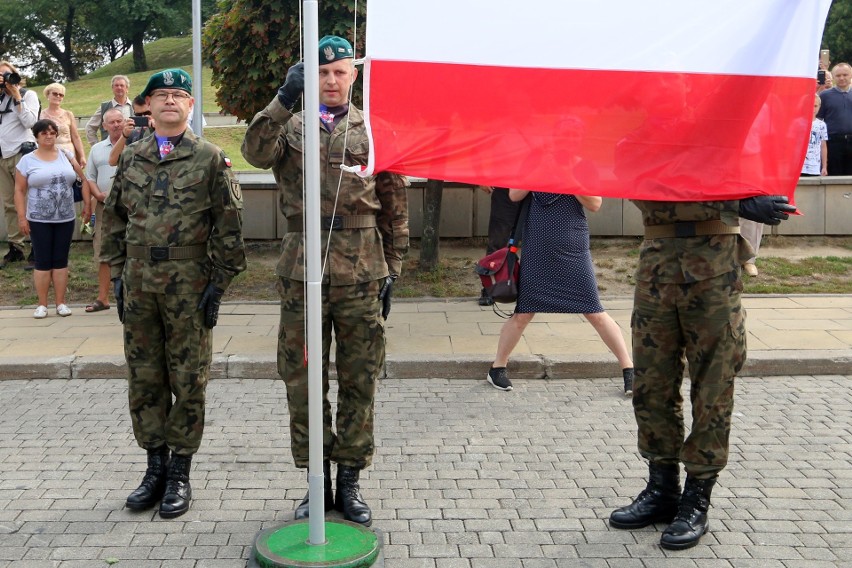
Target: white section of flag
<point x="749" y="37"/>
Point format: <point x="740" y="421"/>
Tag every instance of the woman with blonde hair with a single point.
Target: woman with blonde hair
<point x="68" y="138"/>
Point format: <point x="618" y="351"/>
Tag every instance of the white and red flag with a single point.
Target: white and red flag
<point x="657" y="99"/>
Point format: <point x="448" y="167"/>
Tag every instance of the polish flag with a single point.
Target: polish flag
<point x="676" y="100"/>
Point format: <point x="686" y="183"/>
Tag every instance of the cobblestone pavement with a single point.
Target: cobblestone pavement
<point x="464" y="477"/>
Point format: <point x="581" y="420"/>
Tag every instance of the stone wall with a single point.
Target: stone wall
<point x="825" y="202"/>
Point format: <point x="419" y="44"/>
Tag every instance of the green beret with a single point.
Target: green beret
<point x="332" y="48"/>
<point x="169" y="79"/>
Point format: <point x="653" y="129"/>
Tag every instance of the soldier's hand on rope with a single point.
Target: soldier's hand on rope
<point x="118" y="290"/>
<point x="766" y="209"/>
<point x="293" y="86"/>
<point x="385" y="294"/>
<point x="211" y="299"/>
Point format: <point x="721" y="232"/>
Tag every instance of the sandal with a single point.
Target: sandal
<point x="96" y="306"/>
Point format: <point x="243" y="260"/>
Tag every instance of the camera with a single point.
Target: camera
<point x="11" y="77"/>
<point x="821" y="76"/>
<point x="140" y="121"/>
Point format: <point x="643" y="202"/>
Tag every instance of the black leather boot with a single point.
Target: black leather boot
<point x="153" y="484"/>
<point x="691" y="521"/>
<point x="302" y="511"/>
<point x="348" y="500"/>
<point x="657" y="503"/>
<point x="178" y="490"/>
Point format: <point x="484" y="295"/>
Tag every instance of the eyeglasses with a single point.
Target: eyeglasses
<point x="56" y="94"/>
<point x="146" y="113"/>
<point x="163" y="96"/>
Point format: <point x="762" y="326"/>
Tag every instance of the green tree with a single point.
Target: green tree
<point x="129" y="24"/>
<point x="838" y="31"/>
<point x="250" y="44"/>
<point x="56" y="38"/>
<point x="48" y="29"/>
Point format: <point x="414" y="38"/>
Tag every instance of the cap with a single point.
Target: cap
<point x="169" y="79"/>
<point x="333" y="48"/>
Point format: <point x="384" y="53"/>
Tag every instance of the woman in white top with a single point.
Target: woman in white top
<point x="69" y="137"/>
<point x="45" y="204"/>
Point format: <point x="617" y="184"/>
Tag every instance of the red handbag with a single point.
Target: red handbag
<point x="499" y="274"/>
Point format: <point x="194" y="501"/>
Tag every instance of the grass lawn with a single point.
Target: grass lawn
<point x="615" y="262"/>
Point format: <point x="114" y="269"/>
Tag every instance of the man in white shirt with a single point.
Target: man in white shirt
<point x="120" y="87"/>
<point x="18" y="113"/>
<point x="101" y="173"/>
<point x="836" y="111"/>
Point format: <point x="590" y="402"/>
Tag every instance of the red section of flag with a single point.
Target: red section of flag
<point x="650" y="135"/>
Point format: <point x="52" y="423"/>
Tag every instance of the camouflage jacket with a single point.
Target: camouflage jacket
<point x="188" y="198"/>
<point x="274" y="139"/>
<point x="690" y="259"/>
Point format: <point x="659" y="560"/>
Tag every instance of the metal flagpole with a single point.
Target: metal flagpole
<point x="197" y="121"/>
<point x="316" y="478"/>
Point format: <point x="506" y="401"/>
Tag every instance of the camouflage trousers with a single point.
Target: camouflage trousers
<point x="168" y="351"/>
<point x="354" y="314"/>
<point x="704" y="323"/>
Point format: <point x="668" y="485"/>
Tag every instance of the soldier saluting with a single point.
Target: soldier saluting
<point x="365" y="223"/>
<point x="173" y="240"/>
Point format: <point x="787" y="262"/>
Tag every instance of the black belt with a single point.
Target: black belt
<point x="158" y="254"/>
<point x="336" y="223"/>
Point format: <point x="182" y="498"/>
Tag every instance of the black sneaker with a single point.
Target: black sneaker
<point x="485" y="299"/>
<point x="499" y="378"/>
<point x="14" y="255"/>
<point x="628" y="381"/>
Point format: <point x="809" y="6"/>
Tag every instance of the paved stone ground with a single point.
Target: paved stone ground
<point x="464" y="477"/>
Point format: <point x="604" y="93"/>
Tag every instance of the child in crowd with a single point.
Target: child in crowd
<point x="816" y="160"/>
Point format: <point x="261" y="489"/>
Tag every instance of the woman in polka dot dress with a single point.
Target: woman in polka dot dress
<point x="557" y="276"/>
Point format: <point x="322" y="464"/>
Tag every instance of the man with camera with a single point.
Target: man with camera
<point x="135" y="128"/>
<point x="100" y="173"/>
<point x="18" y="112"/>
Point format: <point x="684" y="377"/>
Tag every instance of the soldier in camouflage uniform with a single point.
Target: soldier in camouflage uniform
<point x="368" y="223"/>
<point x="173" y="240"/>
<point x="687" y="305"/>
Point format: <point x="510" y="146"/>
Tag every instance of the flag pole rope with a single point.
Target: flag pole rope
<point x="343" y="167"/>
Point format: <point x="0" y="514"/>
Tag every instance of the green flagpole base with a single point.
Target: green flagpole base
<point x="348" y="545"/>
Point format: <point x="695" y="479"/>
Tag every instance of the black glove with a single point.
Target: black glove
<point x="118" y="290"/>
<point x="293" y="86"/>
<point x="385" y="294"/>
<point x="211" y="299"/>
<point x="766" y="209"/>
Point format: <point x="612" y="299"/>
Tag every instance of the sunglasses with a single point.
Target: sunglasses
<point x="146" y="113"/>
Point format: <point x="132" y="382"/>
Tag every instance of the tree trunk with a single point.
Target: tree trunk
<point x="64" y="58"/>
<point x="139" y="61"/>
<point x="431" y="220"/>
